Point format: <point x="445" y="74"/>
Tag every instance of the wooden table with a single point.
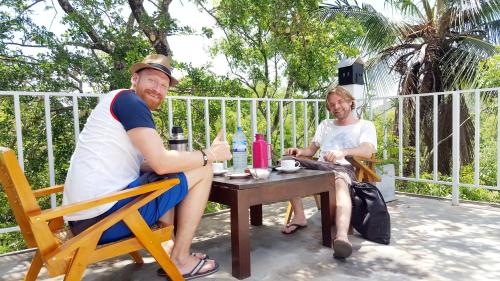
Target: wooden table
<point x="242" y="194"/>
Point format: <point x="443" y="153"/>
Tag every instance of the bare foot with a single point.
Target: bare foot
<point x="188" y="264"/>
<point x="342" y="247"/>
<point x="169" y="246"/>
<point x="294" y="225"/>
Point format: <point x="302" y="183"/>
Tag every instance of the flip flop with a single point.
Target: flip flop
<point x="193" y="274"/>
<point x="297" y="227"/>
<point x="342" y="249"/>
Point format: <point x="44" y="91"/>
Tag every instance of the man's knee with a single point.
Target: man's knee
<point x="343" y="197"/>
<point x="343" y="202"/>
<point x="341" y="185"/>
<point x="199" y="175"/>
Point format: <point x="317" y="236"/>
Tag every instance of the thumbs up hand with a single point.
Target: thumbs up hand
<point x="219" y="150"/>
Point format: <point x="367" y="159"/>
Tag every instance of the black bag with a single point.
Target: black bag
<point x="369" y="213"/>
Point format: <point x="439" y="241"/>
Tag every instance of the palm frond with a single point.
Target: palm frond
<point x="469" y="16"/>
<point x="380" y="74"/>
<point x="381" y="32"/>
<point x="428" y="10"/>
<point x="460" y="64"/>
<point x="406" y="8"/>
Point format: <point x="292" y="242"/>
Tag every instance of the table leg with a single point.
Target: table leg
<point x="256" y="215"/>
<point x="240" y="239"/>
<point x="326" y="219"/>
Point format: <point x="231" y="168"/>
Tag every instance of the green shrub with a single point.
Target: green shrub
<point x="486" y="176"/>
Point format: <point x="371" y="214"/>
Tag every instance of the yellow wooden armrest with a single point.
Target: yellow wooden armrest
<point x="357" y="161"/>
<point x="359" y="158"/>
<point x="60" y="211"/>
<point x="129" y="209"/>
<point x="48" y="190"/>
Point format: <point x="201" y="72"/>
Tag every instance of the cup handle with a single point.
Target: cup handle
<point x="297" y="164"/>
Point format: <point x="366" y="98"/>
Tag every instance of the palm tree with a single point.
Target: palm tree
<point x="436" y="47"/>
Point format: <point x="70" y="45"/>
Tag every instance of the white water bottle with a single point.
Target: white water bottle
<point x="239" y="151"/>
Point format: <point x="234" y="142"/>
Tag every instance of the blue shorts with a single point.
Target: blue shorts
<point x="151" y="212"/>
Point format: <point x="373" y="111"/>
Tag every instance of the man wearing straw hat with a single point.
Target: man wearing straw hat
<point x="120" y="148"/>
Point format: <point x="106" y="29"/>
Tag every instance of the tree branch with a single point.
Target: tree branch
<point x="17" y="60"/>
<point x="25" y="45"/>
<point x="157" y="39"/>
<point x="98" y="42"/>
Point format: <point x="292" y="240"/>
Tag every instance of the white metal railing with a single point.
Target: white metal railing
<point x="309" y="116"/>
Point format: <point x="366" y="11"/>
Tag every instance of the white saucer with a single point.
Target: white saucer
<point x="236" y="175"/>
<point x="220" y="172"/>
<point x="290" y="170"/>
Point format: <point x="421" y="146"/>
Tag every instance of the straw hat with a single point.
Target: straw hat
<point x="158" y="62"/>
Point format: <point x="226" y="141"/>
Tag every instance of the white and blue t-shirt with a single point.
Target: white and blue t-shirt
<point x="105" y="160"/>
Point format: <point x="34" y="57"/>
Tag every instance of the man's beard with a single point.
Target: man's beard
<point x="343" y="115"/>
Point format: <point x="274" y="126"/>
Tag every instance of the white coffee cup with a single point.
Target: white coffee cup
<point x="217" y="166"/>
<point x="289" y="164"/>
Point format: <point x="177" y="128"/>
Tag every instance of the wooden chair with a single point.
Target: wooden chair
<point x="364" y="169"/>
<point x="57" y="249"/>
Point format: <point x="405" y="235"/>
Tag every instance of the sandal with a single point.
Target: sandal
<point x="342" y="249"/>
<point x="195" y="271"/>
<point x="297" y="227"/>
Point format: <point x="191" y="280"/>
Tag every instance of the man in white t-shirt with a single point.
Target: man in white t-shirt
<point x="343" y="136"/>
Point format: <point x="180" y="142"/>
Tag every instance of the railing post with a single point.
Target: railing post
<point x="268" y="133"/>
<point x="50" y="152"/>
<point x="456" y="148"/>
<point x="294" y="136"/>
<point x="207" y="123"/>
<point x="316" y="117"/>
<point x="19" y="131"/>
<point x="238" y="113"/>
<point x="400" y="131"/>
<point x="189" y="124"/>
<point x="498" y="139"/>
<point x="282" y="129"/>
<point x="384" y="106"/>
<point x="477" y="137"/>
<point x="76" y="118"/>
<point x="170" y="115"/>
<point x="223" y="120"/>
<point x="417" y="137"/>
<point x="253" y="122"/>
<point x="304" y="106"/>
<point x="435" y="137"/>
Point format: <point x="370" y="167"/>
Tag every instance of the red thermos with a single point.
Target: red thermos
<point x="259" y="152"/>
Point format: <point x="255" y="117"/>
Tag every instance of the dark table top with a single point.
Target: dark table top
<point x="274" y="177"/>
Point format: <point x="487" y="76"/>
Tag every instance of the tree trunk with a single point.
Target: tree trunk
<point x="156" y="36"/>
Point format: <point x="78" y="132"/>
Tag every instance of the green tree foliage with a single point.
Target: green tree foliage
<point x="99" y="40"/>
<point x="278" y="50"/>
<point x="489" y="76"/>
<point x="273" y="45"/>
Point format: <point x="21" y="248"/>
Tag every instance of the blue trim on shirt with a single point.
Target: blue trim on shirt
<point x="132" y="111"/>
